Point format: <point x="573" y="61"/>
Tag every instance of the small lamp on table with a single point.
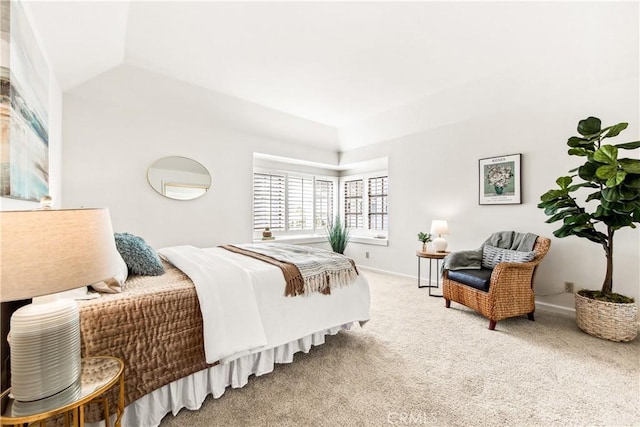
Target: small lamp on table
<point x="439" y="227"/>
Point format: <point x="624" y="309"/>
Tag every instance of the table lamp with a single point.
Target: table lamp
<point x="44" y="252"/>
<point x="439" y="227"/>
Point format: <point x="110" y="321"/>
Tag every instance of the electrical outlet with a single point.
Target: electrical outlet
<point x="568" y="287"/>
<point x="366" y="255"/>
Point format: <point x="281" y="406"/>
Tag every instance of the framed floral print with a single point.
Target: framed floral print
<point x="499" y="180"/>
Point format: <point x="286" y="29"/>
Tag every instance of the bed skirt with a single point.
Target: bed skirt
<point x="191" y="391"/>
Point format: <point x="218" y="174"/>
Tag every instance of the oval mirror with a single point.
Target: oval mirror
<point x="179" y="178"/>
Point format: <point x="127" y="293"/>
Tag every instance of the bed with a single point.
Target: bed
<point x="156" y="326"/>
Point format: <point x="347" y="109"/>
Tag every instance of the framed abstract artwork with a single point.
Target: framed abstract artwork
<point x="500" y="180"/>
<point x="24" y="105"/>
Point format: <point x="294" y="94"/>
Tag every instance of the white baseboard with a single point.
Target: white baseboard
<point x="392" y="273"/>
<point x="544" y="306"/>
<point x="554" y="308"/>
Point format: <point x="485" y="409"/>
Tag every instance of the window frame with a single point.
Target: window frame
<point x="365" y="231"/>
<point x="314" y="230"/>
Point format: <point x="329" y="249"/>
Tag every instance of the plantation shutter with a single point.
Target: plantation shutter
<point x="353" y="203"/>
<point x="300" y="203"/>
<point x="378" y="206"/>
<point x="324" y="203"/>
<point x="268" y="201"/>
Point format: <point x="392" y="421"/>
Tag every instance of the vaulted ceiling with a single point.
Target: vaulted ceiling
<point x="335" y="63"/>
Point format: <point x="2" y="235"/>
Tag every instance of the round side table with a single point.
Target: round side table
<point x="437" y="256"/>
<point x="99" y="374"/>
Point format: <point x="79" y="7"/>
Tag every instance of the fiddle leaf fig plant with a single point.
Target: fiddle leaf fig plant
<point x="613" y="199"/>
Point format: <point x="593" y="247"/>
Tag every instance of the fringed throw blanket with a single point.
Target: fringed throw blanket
<point x="305" y="269"/>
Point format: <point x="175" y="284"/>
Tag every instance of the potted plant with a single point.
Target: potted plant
<point x="424" y="238"/>
<point x="338" y="235"/>
<point x="613" y="203"/>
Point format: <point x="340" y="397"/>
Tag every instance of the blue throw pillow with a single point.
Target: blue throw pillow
<point x="141" y="259"/>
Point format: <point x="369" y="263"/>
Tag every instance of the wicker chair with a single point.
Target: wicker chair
<point x="510" y="290"/>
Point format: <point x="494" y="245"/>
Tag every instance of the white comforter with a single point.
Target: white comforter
<point x="244" y="309"/>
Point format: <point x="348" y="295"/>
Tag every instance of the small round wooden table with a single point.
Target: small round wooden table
<point x="99" y="374"/>
<point x="437" y="256"/>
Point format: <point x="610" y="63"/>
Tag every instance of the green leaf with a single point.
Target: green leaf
<point x="601" y="212"/>
<point x="592" y="235"/>
<point x="606" y="154"/>
<point x="628" y="194"/>
<point x="632" y="181"/>
<point x="623" y="209"/>
<point x="578" y="152"/>
<point x="619" y="221"/>
<point x="587" y="171"/>
<point x="546" y="204"/>
<point x="619" y="193"/>
<point x="560" y="204"/>
<point x="551" y="195"/>
<point x="562" y="215"/>
<point x="564" y="231"/>
<point x="575" y="187"/>
<point x="616" y="179"/>
<point x="606" y="171"/>
<point x="576" y="141"/>
<point x="616" y="129"/>
<point x="564" y="181"/>
<point x="594" y="196"/>
<point x="611" y="194"/>
<point x="582" y="218"/>
<point x="589" y="126"/>
<point x="629" y="145"/>
<point x="630" y="165"/>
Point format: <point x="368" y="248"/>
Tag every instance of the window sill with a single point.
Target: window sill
<point x="296" y="240"/>
<point x="367" y="240"/>
<point x="315" y="238"/>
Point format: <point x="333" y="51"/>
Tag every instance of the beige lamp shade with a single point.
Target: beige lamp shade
<point x="49" y="251"/>
<point x="439" y="227"/>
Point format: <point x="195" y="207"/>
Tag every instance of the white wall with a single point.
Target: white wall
<point x="117" y="124"/>
<point x="434" y="175"/>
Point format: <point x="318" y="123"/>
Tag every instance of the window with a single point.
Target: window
<point x="292" y="202"/>
<point x="297" y="200"/>
<point x="378" y="206"/>
<point x="300" y="203"/>
<point x="324" y="202"/>
<point x="365" y="205"/>
<point x="268" y="201"/>
<point x="353" y="203"/>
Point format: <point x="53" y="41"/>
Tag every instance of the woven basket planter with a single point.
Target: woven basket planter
<point x="607" y="320"/>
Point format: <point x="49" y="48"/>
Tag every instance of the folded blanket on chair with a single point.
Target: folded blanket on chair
<point x="472" y="259"/>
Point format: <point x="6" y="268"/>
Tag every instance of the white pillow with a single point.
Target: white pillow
<point x="114" y="284"/>
<point x="492" y="256"/>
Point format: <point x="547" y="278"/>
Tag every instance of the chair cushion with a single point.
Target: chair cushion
<point x="478" y="279"/>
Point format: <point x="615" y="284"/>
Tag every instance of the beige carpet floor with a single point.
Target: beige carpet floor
<point x="418" y="363"/>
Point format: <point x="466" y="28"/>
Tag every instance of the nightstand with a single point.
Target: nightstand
<point x="98" y="375"/>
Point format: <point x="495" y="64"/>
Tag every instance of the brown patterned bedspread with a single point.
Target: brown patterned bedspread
<point x="154" y="326"/>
